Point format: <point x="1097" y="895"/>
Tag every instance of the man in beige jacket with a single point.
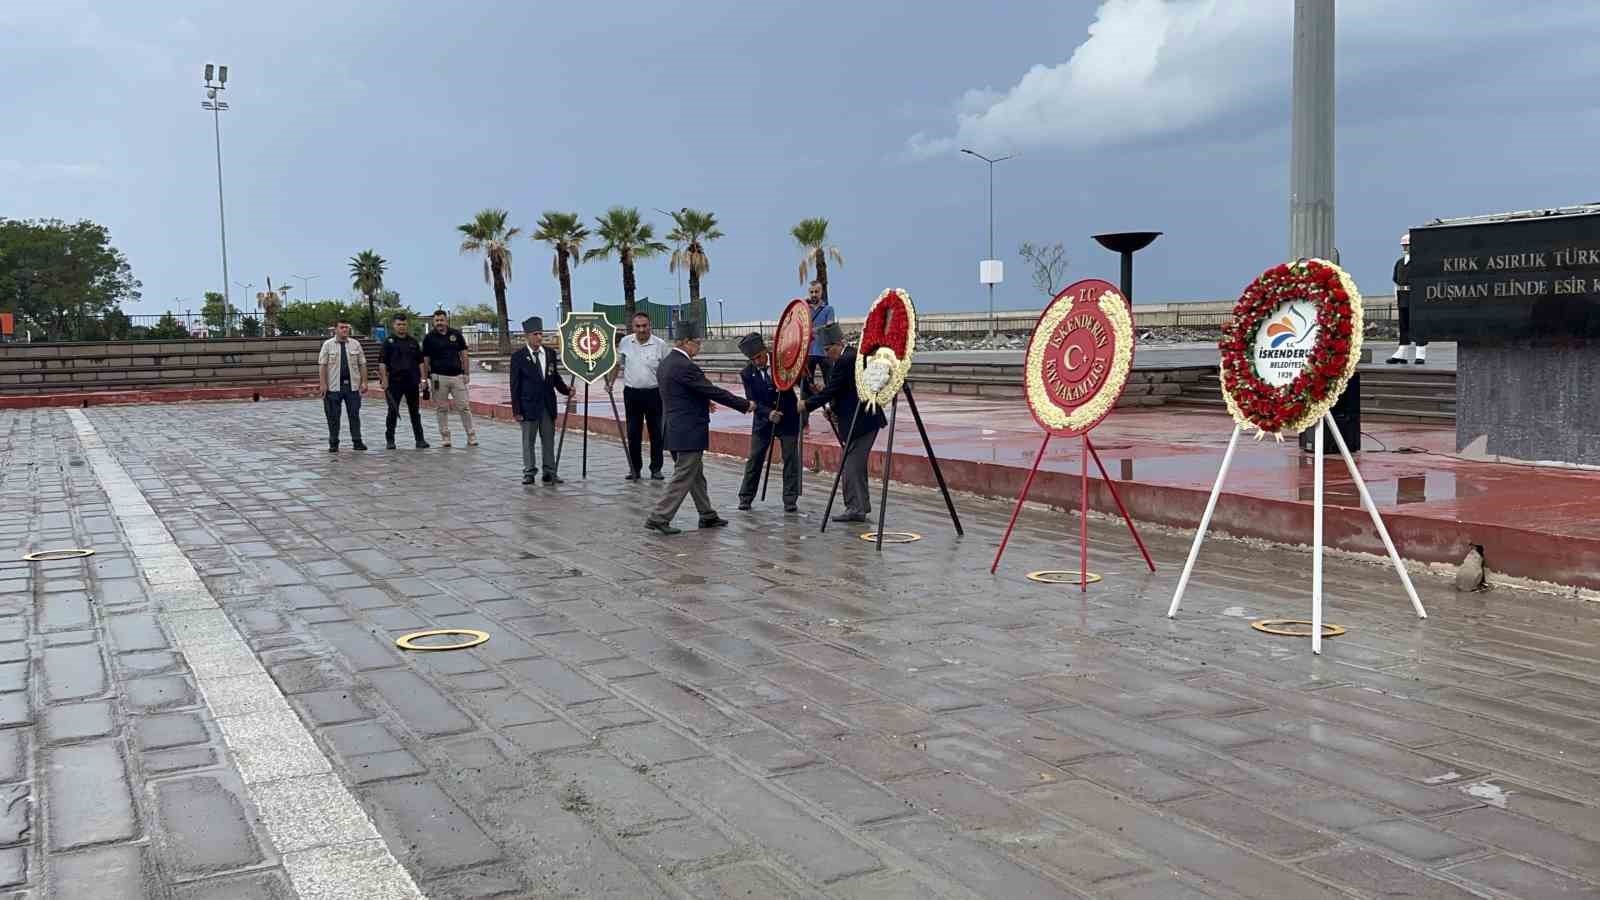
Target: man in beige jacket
<point x="342" y="367"/>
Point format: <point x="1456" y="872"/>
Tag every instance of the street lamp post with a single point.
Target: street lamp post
<point x="227" y="310"/>
<point x="305" y="286"/>
<point x="722" y="321"/>
<point x="991" y="271"/>
<point x="680" y="268"/>
<point x="216" y="106"/>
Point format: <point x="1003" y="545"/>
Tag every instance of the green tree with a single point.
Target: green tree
<point x="631" y="239"/>
<point x="692" y="230"/>
<point x="313" y="318"/>
<point x="489" y="234"/>
<point x="167" y="328"/>
<point x="117" y="325"/>
<point x="250" y="327"/>
<point x="565" y="233"/>
<point x="472" y="314"/>
<point x="812" y="236"/>
<point x="366" y="276"/>
<point x="217" y="313"/>
<point x="57" y="277"/>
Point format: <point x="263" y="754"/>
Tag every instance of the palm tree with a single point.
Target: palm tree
<point x="366" y="276"/>
<point x="812" y="236"/>
<point x="694" y="229"/>
<point x="565" y="233"/>
<point x="631" y="239"/>
<point x="488" y="233"/>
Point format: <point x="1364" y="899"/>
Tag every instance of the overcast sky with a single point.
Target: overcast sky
<point x="383" y="125"/>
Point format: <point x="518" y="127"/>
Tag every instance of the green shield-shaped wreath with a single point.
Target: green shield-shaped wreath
<point x="588" y="345"/>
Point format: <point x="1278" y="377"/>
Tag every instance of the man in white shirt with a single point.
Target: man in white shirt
<point x="641" y="394"/>
<point x="342" y="367"/>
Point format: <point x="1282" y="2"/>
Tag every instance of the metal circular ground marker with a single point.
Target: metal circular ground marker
<point x="476" y="637"/>
<point x="1061" y="576"/>
<point x="893" y="537"/>
<point x="1277" y="626"/>
<point x="52" y="555"/>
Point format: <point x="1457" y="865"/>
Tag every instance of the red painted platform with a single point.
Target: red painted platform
<point x="1533" y="522"/>
<point x="160" y="395"/>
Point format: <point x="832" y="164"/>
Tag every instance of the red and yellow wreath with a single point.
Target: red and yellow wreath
<point x="1291" y="346"/>
<point x="888" y="338"/>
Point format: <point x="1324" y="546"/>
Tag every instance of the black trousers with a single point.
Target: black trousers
<point x="643" y="409"/>
<point x="407" y="389"/>
<point x="756" y="464"/>
<point x="333" y="402"/>
<point x="1405" y="325"/>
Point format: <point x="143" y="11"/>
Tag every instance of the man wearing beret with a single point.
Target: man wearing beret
<point x="686" y="398"/>
<point x="535" y="378"/>
<point x="777" y="412"/>
<point x="840" y="396"/>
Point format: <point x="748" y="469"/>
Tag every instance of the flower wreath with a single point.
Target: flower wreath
<point x="1082" y="418"/>
<point x="888" y="339"/>
<point x="1252" y="400"/>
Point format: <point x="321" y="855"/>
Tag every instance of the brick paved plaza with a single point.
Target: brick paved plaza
<point x="212" y="705"/>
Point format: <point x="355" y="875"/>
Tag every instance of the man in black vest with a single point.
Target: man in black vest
<point x="535" y="378"/>
<point x="1402" y="302"/>
<point x="840" y="396"/>
<point x="686" y="398"/>
<point x="400" y="374"/>
<point x="778" y="413"/>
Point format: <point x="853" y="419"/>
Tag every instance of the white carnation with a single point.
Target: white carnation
<point x="879" y="369"/>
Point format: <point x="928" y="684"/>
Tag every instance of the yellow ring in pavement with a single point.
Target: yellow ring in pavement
<point x="1275" y="626"/>
<point x="1062" y="576"/>
<point x="52" y="555"/>
<point x="893" y="537"/>
<point x="475" y="637"/>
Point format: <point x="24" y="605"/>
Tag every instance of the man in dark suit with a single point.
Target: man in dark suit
<point x="840" y="396"/>
<point x="1402" y="302"/>
<point x="686" y="398"/>
<point x="776" y="412"/>
<point x="535" y="378"/>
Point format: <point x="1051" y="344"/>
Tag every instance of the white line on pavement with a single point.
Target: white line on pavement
<point x="329" y="846"/>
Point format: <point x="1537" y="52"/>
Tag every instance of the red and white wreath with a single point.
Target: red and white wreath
<point x="1291" y="346"/>
<point x="888" y="338"/>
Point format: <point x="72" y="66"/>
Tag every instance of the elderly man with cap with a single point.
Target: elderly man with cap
<point x="535" y="378"/>
<point x="777" y="412"/>
<point x="840" y="396"/>
<point x="686" y="398"/>
<point x="1402" y="302"/>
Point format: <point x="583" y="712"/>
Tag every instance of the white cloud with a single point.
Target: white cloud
<point x="1147" y="67"/>
<point x="1162" y="67"/>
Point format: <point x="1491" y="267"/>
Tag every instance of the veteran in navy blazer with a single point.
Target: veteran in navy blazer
<point x="840" y="396"/>
<point x="535" y="379"/>
<point x="777" y="414"/>
<point x="686" y="398"/>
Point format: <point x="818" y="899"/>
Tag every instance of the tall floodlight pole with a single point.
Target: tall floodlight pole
<point x="305" y="285"/>
<point x="990" y="271"/>
<point x="1311" y="132"/>
<point x="216" y="106"/>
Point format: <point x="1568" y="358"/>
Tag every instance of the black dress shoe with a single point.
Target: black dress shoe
<point x="423" y="445"/>
<point x="1420" y="362"/>
<point x="631" y="476"/>
<point x="1394" y="361"/>
<point x="529" y="479"/>
<point x="359" y="446"/>
<point x="791" y="508"/>
<point x="663" y="527"/>
<point x="657" y="476"/>
<point x="744" y="505"/>
<point x="554" y="479"/>
<point x="849" y="517"/>
<point x="333" y="448"/>
<point x="717" y="522"/>
<point x="389" y="444"/>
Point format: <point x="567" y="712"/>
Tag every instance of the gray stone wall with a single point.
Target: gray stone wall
<point x="1529" y="400"/>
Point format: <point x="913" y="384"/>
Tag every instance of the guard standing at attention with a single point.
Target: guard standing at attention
<point x="840" y="396"/>
<point x="777" y="413"/>
<point x="1402" y="302"/>
<point x="400" y="374"/>
<point x="686" y="396"/>
<point x="535" y="378"/>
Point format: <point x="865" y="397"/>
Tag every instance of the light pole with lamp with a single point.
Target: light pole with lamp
<point x="305" y="286"/>
<point x="722" y="321"/>
<point x="990" y="271"/>
<point x="676" y="247"/>
<point x="216" y="106"/>
<point x="226" y="310"/>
